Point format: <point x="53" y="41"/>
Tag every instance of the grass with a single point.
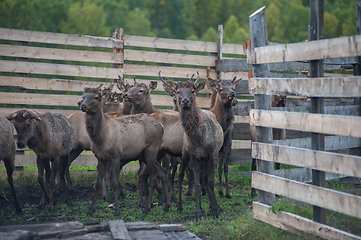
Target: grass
<point x="236" y="221"/>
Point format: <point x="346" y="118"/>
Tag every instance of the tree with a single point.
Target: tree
<point x="230" y="29"/>
<point x="87" y="18"/>
<point x="330" y="25"/>
<point x="138" y="23"/>
<point x="210" y="35"/>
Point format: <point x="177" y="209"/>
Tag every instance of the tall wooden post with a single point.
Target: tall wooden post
<point x="317" y="103"/>
<point x="357" y="67"/>
<point x="219" y="47"/>
<point x="118" y="34"/>
<point x="258" y="32"/>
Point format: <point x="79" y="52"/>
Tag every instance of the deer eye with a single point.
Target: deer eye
<point x="177" y="92"/>
<point x="141" y="90"/>
<point x="29" y="124"/>
<point x="193" y="91"/>
<point x="221" y="89"/>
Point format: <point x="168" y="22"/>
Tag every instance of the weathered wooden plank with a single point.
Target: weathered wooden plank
<point x="304" y="174"/>
<point x="39" y="99"/>
<point x="118" y="230"/>
<point x="60" y="54"/>
<point x="331" y="142"/>
<point x="322" y="197"/>
<point x="148" y="235"/>
<point x="310" y="87"/>
<point x="319" y="160"/>
<point x="49" y="84"/>
<point x="350" y="110"/>
<point x="136" y="226"/>
<point x="312" y="50"/>
<point x="297" y="224"/>
<point x="67" y="113"/>
<point x="17" y="235"/>
<point x="241" y="119"/>
<point x="321" y="123"/>
<point x="240" y="64"/>
<point x="44" y="227"/>
<point x="170" y="72"/>
<point x="185" y="235"/>
<point x="59" y="69"/>
<point x="241" y="144"/>
<point x="170" y="58"/>
<point x="187" y="45"/>
<point x="172" y="227"/>
<point x="59" y="38"/>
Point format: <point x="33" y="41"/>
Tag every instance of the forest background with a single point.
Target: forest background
<point x="286" y="20"/>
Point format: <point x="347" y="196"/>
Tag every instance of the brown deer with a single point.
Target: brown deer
<point x="223" y="95"/>
<point x="139" y="97"/>
<point x="203" y="137"/>
<point x="7" y="154"/>
<point x="278" y="134"/>
<point x="51" y="137"/>
<point x="118" y="140"/>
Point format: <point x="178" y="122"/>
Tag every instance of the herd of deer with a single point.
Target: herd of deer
<point x="122" y="128"/>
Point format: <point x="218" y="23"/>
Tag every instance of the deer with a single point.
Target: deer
<point x="117" y="140"/>
<point x="278" y="134"/>
<point x="202" y="138"/>
<point x="139" y="97"/>
<point x="7" y="154"/>
<point x="223" y="97"/>
<point x="51" y="137"/>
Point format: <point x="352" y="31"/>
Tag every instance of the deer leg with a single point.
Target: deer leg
<point x="98" y="185"/>
<point x="162" y="173"/>
<point x="40" y="163"/>
<point x="54" y="172"/>
<point x="190" y="175"/>
<point x="220" y="171"/>
<point x="227" y="148"/>
<point x="166" y="160"/>
<point x="104" y="185"/>
<point x="9" y="165"/>
<point x="197" y="186"/>
<point x="114" y="182"/>
<point x="152" y="184"/>
<point x="64" y="166"/>
<point x="210" y="185"/>
<point x="173" y="167"/>
<point x="143" y="184"/>
<point x="73" y="155"/>
<point x="185" y="160"/>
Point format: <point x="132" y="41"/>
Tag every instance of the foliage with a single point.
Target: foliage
<point x="184" y="19"/>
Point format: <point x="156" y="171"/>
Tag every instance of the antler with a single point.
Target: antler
<point x="121" y="80"/>
<point x="234" y="78"/>
<point x="99" y="87"/>
<point x="198" y="77"/>
<point x="135" y="80"/>
<point x="191" y="78"/>
<point x="161" y="78"/>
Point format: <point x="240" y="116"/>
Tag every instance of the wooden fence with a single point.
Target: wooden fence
<point x="48" y="72"/>
<point x="317" y="88"/>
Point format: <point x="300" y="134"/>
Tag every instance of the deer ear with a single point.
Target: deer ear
<point x="199" y="86"/>
<point x="11" y="116"/>
<point x="212" y="84"/>
<point x="168" y="89"/>
<point x="235" y="82"/>
<point x="153" y="85"/>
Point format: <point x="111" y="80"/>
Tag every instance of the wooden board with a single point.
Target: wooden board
<point x="169" y="58"/>
<point x="39" y="99"/>
<point x="324" y="161"/>
<point x="310" y="87"/>
<point x="118" y="230"/>
<point x="331" y="142"/>
<point x="320" y="123"/>
<point x="241" y="144"/>
<point x="59" y="69"/>
<point x="322" y="197"/>
<point x="170" y="72"/>
<point x="67" y="113"/>
<point x="59" y="38"/>
<point x="60" y="54"/>
<point x="297" y="224"/>
<point x="167" y="43"/>
<point x="50" y="83"/>
<point x="312" y="50"/>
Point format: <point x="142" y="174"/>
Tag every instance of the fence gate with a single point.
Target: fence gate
<point x="316" y="87"/>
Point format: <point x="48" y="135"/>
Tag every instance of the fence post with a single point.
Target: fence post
<point x="118" y="34"/>
<point x="219" y="48"/>
<point x="258" y="32"/>
<point x="317" y="103"/>
<point x="357" y="67"/>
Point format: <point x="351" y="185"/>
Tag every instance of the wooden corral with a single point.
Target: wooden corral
<point x="48" y="72"/>
<point x="309" y="153"/>
<point x="93" y="230"/>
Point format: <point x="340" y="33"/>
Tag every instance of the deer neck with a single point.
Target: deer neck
<point x="144" y="107"/>
<point x="224" y="114"/>
<point x="95" y="126"/>
<point x="191" y="121"/>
